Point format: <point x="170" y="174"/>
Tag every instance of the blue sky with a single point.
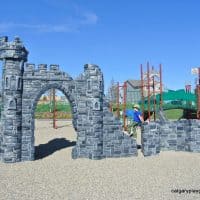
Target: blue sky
<point x="117" y="35"/>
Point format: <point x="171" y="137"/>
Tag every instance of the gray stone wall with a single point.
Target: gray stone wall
<point x="1" y="140"/>
<point x="150" y="139"/>
<point x="182" y="135"/>
<point x="115" y="142"/>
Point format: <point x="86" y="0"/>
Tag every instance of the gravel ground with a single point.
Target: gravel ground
<point x="54" y="175"/>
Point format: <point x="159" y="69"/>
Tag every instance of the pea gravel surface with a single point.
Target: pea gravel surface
<point x="55" y="175"/>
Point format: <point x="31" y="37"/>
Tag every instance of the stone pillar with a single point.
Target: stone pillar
<point x="150" y="139"/>
<point x="89" y="89"/>
<point x="94" y="94"/>
<point x="13" y="55"/>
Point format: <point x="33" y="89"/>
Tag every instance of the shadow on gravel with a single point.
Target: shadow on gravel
<point x="68" y="125"/>
<point x="44" y="150"/>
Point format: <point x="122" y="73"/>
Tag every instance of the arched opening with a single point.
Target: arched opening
<point x="53" y="102"/>
<point x="19" y="83"/>
<point x="13" y="82"/>
<point x="7" y="83"/>
<point x="96" y="105"/>
<point x="12" y="104"/>
<point x="88" y="85"/>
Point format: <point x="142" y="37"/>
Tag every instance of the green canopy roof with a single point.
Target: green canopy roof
<point x="177" y="95"/>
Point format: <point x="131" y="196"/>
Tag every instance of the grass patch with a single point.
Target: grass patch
<point x="49" y="115"/>
<point x="44" y="111"/>
<point x="174" y="114"/>
<point x="47" y="107"/>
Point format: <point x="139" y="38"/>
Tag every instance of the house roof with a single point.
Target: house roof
<point x="134" y="83"/>
<point x="137" y="83"/>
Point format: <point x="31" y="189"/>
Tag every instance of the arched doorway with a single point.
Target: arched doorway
<point x="53" y="136"/>
<point x="28" y="112"/>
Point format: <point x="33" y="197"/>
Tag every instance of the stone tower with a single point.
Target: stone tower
<point x="13" y="54"/>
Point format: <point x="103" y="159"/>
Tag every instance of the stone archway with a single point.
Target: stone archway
<point x="28" y="109"/>
<point x="85" y="94"/>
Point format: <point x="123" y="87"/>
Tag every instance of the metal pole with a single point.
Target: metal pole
<point x="51" y="100"/>
<point x="124" y="105"/>
<point x="198" y="95"/>
<point x="161" y="90"/>
<point x="118" y="114"/>
<point x="110" y="106"/>
<point x="198" y="101"/>
<point x="142" y="89"/>
<point x="199" y="74"/>
<point x="148" y="85"/>
<point x="154" y="100"/>
<point x="54" y="110"/>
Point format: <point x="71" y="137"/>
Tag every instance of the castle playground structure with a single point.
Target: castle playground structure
<point x="99" y="133"/>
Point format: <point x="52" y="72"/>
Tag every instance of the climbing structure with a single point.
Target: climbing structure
<point x="198" y="101"/>
<point x="198" y="94"/>
<point x="196" y="71"/>
<point x="99" y="133"/>
<point x="151" y="85"/>
<point x="122" y="96"/>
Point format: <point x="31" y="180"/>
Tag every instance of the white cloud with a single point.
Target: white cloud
<point x="89" y="18"/>
<point x="73" y="25"/>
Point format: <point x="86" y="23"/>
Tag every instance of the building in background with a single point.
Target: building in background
<point x="47" y="97"/>
<point x="112" y="92"/>
<point x="133" y="94"/>
<point x="133" y="91"/>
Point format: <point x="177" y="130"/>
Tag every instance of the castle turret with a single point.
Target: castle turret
<point x="13" y="54"/>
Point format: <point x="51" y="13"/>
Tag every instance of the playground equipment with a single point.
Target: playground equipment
<point x="197" y="72"/>
<point x="188" y="88"/>
<point x="177" y="99"/>
<point x="153" y="99"/>
<point x="52" y="105"/>
<point x="198" y="101"/>
<point x="118" y="103"/>
<point x="124" y="90"/>
<point x="188" y="102"/>
<point x="198" y="94"/>
<point x="54" y="109"/>
<point x="151" y="84"/>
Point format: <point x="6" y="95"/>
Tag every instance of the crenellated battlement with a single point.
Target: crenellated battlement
<point x="31" y="71"/>
<point x="14" y="50"/>
<point x="92" y="70"/>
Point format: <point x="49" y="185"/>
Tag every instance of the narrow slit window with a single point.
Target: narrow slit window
<point x="13" y="83"/>
<point x="100" y="85"/>
<point x="12" y="104"/>
<point x="89" y="85"/>
<point x="19" y="83"/>
<point x="6" y="82"/>
<point x="96" y="105"/>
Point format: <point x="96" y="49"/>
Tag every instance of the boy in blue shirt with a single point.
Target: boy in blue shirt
<point x="137" y="115"/>
<point x="137" y="121"/>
